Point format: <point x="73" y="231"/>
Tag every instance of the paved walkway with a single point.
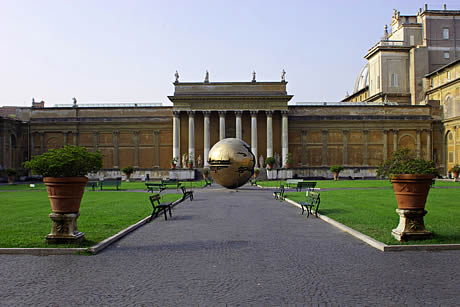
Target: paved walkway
<point x="236" y="248"/>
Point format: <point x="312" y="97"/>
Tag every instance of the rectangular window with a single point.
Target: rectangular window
<point x="378" y="82"/>
<point x="446" y="55"/>
<point x="412" y="40"/>
<point x="448" y="75"/>
<point x="394" y="80"/>
<point x="451" y="157"/>
<point x="445" y="33"/>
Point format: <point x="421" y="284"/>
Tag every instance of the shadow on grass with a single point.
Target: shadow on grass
<point x="332" y="211"/>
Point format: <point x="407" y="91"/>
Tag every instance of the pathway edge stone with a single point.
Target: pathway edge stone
<point x="379" y="245"/>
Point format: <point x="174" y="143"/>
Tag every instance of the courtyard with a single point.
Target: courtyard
<point x="234" y="247"/>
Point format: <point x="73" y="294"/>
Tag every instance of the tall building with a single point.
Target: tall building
<point x="415" y="46"/>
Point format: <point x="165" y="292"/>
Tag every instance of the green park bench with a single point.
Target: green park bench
<point x="308" y="185"/>
<point x="279" y="194"/>
<point x="186" y="194"/>
<point x="110" y="183"/>
<point x="173" y="182"/>
<point x="312" y="200"/>
<point x="155" y="187"/>
<point x="158" y="206"/>
<point x="292" y="183"/>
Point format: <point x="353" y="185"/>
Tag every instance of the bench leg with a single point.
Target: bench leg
<point x="170" y="214"/>
<point x="166" y="216"/>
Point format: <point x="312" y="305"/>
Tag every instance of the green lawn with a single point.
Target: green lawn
<point x="24" y="221"/>
<point x="133" y="185"/>
<point x="328" y="184"/>
<point x="372" y="212"/>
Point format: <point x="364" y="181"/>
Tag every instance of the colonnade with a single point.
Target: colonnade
<point x="238" y="133"/>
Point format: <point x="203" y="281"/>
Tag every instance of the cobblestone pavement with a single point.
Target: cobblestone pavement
<point x="236" y="248"/>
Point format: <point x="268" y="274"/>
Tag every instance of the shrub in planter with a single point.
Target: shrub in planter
<point x="455" y="170"/>
<point x="411" y="178"/>
<point x="11" y="173"/>
<point x="256" y="172"/>
<point x="270" y="161"/>
<point x="128" y="171"/>
<point x="336" y="169"/>
<point x="289" y="160"/>
<point x="64" y="172"/>
<point x="173" y="163"/>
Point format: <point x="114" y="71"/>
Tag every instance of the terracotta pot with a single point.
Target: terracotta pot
<point x="65" y="193"/>
<point x="270" y="166"/>
<point x="411" y="190"/>
<point x="173" y="166"/>
<point x="288" y="165"/>
<point x="455" y="175"/>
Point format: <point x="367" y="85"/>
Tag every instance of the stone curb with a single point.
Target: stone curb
<point x="68" y="251"/>
<point x="379" y="245"/>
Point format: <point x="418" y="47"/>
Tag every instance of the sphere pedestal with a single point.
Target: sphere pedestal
<point x="64" y="229"/>
<point x="411" y="226"/>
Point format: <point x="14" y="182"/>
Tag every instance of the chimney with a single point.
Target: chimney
<point x="426" y="7"/>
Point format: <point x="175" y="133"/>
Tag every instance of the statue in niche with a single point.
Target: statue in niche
<point x="206" y="77"/>
<point x="184" y="160"/>
<point x="177" y="77"/>
<point x="261" y="161"/>
<point x="283" y="76"/>
<point x="254" y="76"/>
<point x="199" y="162"/>
<point x="277" y="160"/>
<point x="74" y="101"/>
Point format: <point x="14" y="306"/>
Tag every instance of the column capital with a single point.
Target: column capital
<point x="324" y="131"/>
<point x="395" y="131"/>
<point x="419" y="131"/>
<point x="427" y="130"/>
<point x="176" y="113"/>
<point x="135" y="132"/>
<point x="253" y="112"/>
<point x="385" y="131"/>
<point x="222" y="112"/>
<point x="116" y="132"/>
<point x="269" y="112"/>
<point x="206" y="113"/>
<point x="365" y="132"/>
<point x="284" y="112"/>
<point x="156" y="132"/>
<point x="303" y="132"/>
<point x="42" y="133"/>
<point x="345" y="132"/>
<point x="95" y="132"/>
<point x="191" y="113"/>
<point x="238" y="113"/>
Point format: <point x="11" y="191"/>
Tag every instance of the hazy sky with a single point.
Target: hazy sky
<point x="128" y="51"/>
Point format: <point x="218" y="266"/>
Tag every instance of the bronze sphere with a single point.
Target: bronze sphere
<point x="231" y="162"/>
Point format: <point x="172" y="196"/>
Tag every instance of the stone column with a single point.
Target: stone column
<point x="95" y="140"/>
<point x="207" y="138"/>
<point x="66" y="137"/>
<point x="366" y="147"/>
<point x="136" y="148"/>
<point x="115" y="140"/>
<point x="254" y="137"/>
<point x="221" y="125"/>
<point x="191" y="135"/>
<point x="176" y="136"/>
<point x="455" y="145"/>
<point x="395" y="139"/>
<point x="443" y="152"/>
<point x="42" y="142"/>
<point x="32" y="144"/>
<point x="418" y="144"/>
<point x="269" y="133"/>
<point x="75" y="137"/>
<point x="239" y="132"/>
<point x="324" y="150"/>
<point x="303" y="140"/>
<point x="345" y="147"/>
<point x="284" y="137"/>
<point x="156" y="144"/>
<point x="428" y="155"/>
<point x="385" y="144"/>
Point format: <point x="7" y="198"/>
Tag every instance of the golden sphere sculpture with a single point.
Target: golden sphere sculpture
<point x="231" y="162"/>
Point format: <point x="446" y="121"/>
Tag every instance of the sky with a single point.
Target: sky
<point x="102" y="51"/>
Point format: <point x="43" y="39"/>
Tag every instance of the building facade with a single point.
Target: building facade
<point x="407" y="95"/>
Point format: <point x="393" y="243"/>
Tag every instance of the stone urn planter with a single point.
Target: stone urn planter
<point x="64" y="171"/>
<point x="411" y="190"/>
<point x="455" y="171"/>
<point x="411" y="178"/>
<point x="65" y="193"/>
